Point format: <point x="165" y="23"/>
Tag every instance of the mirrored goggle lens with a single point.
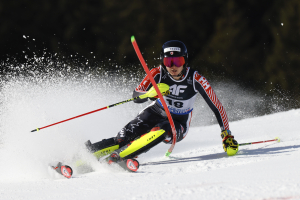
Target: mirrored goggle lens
<point x="177" y="61"/>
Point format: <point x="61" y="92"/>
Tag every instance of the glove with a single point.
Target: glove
<point x="230" y="145"/>
<point x="163" y="88"/>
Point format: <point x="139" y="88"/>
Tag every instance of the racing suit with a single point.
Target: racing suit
<point x="180" y="103"/>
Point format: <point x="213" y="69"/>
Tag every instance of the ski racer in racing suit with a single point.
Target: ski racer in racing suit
<point x="152" y="123"/>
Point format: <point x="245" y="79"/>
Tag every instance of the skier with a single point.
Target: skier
<point x="151" y="125"/>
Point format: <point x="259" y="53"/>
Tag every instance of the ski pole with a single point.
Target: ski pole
<point x="122" y="102"/>
<point x="138" y="52"/>
<point x="276" y="139"/>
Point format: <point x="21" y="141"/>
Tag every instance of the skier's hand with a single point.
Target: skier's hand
<point x="163" y="88"/>
<point x="230" y="145"/>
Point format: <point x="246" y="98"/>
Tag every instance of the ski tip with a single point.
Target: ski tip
<point x="278" y="139"/>
<point x="66" y="171"/>
<point x="132" y="39"/>
<point x="132" y="165"/>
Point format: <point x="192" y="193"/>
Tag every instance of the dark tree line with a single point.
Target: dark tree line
<point x="253" y="42"/>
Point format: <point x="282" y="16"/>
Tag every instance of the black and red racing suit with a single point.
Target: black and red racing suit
<point x="180" y="103"/>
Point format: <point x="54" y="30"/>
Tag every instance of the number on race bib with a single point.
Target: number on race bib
<point x="177" y="104"/>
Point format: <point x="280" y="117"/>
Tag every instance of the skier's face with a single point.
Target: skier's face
<point x="175" y="71"/>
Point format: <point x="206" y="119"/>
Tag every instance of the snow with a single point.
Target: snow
<point x="197" y="169"/>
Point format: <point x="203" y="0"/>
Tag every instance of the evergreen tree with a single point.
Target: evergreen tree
<point x="282" y="64"/>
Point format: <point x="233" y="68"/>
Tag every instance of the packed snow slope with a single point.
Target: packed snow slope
<point x="197" y="169"/>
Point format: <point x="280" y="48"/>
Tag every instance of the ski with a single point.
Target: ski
<point x="64" y="170"/>
<point x="131" y="165"/>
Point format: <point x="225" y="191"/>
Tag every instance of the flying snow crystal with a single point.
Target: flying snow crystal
<point x="24" y="36"/>
<point x="281" y="24"/>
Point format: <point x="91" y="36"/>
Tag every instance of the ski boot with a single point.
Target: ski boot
<point x="102" y="148"/>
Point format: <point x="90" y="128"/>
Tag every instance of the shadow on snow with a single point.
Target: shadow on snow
<point x="243" y="153"/>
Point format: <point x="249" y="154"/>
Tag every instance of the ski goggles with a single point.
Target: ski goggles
<point x="177" y="61"/>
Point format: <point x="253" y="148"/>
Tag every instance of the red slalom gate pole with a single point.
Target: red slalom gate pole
<point x="276" y="139"/>
<point x="138" y="52"/>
